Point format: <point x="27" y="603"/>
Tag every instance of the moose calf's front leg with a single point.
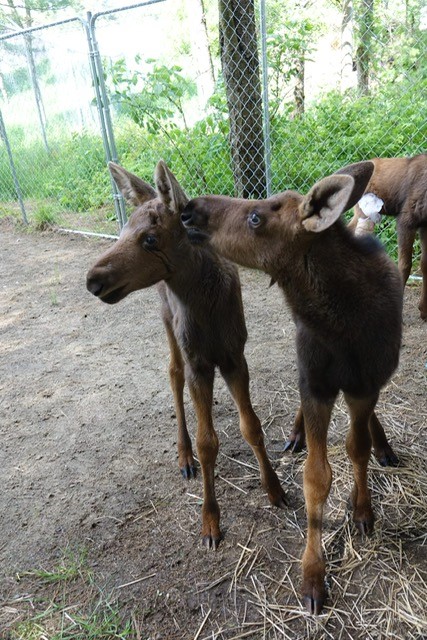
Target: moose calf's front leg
<point x="201" y="387"/>
<point x="317" y="483"/>
<point x="405" y="242"/>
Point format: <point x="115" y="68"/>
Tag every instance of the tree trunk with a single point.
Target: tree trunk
<point x="299" y="90"/>
<point x="346" y="44"/>
<point x="240" y="66"/>
<point x="363" y="52"/>
<point x="200" y="48"/>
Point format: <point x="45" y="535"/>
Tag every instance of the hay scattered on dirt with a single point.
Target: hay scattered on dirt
<point x="377" y="585"/>
<point x="89" y="460"/>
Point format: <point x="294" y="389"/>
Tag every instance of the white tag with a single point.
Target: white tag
<point x="371" y="205"/>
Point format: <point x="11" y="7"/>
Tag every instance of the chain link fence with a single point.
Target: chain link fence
<point x="238" y="97"/>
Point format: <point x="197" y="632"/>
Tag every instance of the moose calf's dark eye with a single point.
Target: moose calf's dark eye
<point x="254" y="219"/>
<point x="150" y="242"/>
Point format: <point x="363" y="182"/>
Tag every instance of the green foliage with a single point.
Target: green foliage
<point x="287" y="44"/>
<point x="21" y="15"/>
<point x="336" y="130"/>
<point x="340" y="129"/>
<point x="152" y="98"/>
<point x="45" y="215"/>
<point x="18" y="80"/>
<point x="73" y="174"/>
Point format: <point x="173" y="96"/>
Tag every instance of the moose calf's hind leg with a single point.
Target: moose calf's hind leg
<point x="423" y="299"/>
<point x="382" y="449"/>
<point x="405" y="241"/>
<point x="296" y="441"/>
<point x="177" y="381"/>
<point x="207" y="448"/>
<point x="250" y="427"/>
<point x="358" y="446"/>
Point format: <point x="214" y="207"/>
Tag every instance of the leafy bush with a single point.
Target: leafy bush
<point x="72" y="173"/>
<point x="340" y="129"/>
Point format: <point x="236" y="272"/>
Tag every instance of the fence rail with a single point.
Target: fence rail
<point x="326" y="86"/>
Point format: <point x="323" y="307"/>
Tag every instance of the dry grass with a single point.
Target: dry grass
<point x="377" y="586"/>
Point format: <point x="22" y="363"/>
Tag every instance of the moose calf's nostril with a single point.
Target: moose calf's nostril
<point x="94" y="287"/>
<point x="186" y="217"/>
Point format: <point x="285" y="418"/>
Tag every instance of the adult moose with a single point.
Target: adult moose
<point x="346" y="298"/>
<point x="202" y="313"/>
<point x="399" y="186"/>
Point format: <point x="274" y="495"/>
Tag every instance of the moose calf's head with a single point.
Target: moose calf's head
<point x="144" y="253"/>
<point x="257" y="234"/>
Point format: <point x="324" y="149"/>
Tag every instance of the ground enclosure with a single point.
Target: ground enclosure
<point x="88" y="467"/>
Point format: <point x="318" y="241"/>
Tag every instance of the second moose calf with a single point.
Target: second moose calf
<point x="202" y="312"/>
<point x="345" y="295"/>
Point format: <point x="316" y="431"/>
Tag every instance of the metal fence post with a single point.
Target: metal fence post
<point x="3" y="136"/>
<point x="265" y="102"/>
<point x="102" y="104"/>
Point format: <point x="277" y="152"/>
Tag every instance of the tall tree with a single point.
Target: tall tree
<point x="365" y="22"/>
<point x="16" y="15"/>
<point x="200" y="46"/>
<point x="240" y="67"/>
<point x="346" y="43"/>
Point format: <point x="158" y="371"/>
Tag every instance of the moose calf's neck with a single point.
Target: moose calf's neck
<point x="320" y="271"/>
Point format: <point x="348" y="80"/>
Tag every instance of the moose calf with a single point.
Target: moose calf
<point x="345" y="295"/>
<point x="202" y="312"/>
<point x="399" y="186"/>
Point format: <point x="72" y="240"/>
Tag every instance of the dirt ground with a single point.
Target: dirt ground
<point x="88" y="462"/>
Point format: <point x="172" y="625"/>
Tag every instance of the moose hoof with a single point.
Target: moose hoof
<point x="313" y="589"/>
<point x="188" y="472"/>
<point x="364" y="521"/>
<point x="387" y="458"/>
<point x="314" y="606"/>
<point x="365" y="526"/>
<point x="279" y="500"/>
<point x="211" y="542"/>
<point x="314" y="596"/>
<point x="295" y="444"/>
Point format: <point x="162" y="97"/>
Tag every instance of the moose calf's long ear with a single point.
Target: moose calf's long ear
<point x="325" y="202"/>
<point x="133" y="189"/>
<point x="333" y="195"/>
<point x="361" y="172"/>
<point x="170" y="191"/>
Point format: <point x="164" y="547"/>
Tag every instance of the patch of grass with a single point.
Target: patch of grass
<point x="44" y="216"/>
<point x="71" y="565"/>
<point x="69" y="605"/>
<point x="103" y="622"/>
<point x="10" y="211"/>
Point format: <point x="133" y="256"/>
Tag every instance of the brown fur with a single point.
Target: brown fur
<point x="402" y="185"/>
<point x="202" y="312"/>
<point x="346" y="298"/>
